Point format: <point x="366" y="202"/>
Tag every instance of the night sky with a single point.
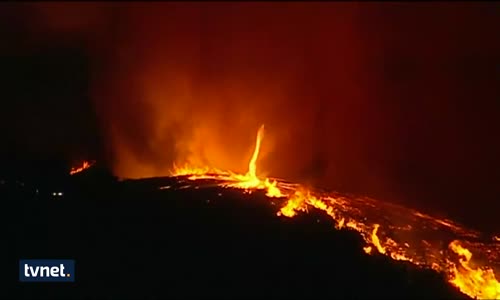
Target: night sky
<point x="398" y="101"/>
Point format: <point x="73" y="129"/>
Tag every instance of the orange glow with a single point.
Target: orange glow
<point x="247" y="181"/>
<point x="479" y="282"/>
<point x="376" y="241"/>
<point x="85" y="165"/>
<point x="295" y="203"/>
<point x="355" y="213"/>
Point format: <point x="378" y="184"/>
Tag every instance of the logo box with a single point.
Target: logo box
<point x="46" y="270"/>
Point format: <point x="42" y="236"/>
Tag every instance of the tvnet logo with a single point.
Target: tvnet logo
<point x="47" y="270"/>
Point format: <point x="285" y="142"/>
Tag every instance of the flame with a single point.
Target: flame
<point x="376" y="241"/>
<point x="85" y="165"/>
<point x="480" y="282"/>
<point x="252" y="165"/>
<point x="295" y="203"/>
<point x="340" y="223"/>
<point x="352" y="213"/>
<point x="353" y="225"/>
<point x="272" y="188"/>
<point x="247" y="181"/>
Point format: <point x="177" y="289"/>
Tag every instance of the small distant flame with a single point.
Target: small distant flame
<point x="85" y="165"/>
<point x="340" y="223"/>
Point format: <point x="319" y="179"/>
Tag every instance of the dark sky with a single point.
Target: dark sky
<point x="399" y="101"/>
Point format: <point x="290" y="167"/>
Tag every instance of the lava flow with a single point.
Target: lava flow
<point x="85" y="165"/>
<point x="388" y="229"/>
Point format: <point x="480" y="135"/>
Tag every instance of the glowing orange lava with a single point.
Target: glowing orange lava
<point x="386" y="228"/>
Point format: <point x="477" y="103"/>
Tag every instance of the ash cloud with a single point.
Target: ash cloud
<point x="390" y="100"/>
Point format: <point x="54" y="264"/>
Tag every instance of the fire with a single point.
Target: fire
<point x="480" y="282"/>
<point x="252" y="165"/>
<point x="352" y="213"/>
<point x="299" y="202"/>
<point x="187" y="170"/>
<point x="247" y="181"/>
<point x="272" y="188"/>
<point x="85" y="165"/>
<point x="376" y="241"/>
<point x="353" y="225"/>
<point x="295" y="203"/>
<point x="340" y="223"/>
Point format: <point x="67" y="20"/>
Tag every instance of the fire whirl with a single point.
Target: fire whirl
<point x="395" y="231"/>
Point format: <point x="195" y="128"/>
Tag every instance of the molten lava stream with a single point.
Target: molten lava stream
<point x="369" y="218"/>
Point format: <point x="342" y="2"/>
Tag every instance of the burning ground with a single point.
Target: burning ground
<point x="395" y="231"/>
<point x="209" y="232"/>
<point x="366" y="231"/>
<point x="138" y="239"/>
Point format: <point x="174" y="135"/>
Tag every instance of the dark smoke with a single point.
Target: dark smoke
<point x="397" y="101"/>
